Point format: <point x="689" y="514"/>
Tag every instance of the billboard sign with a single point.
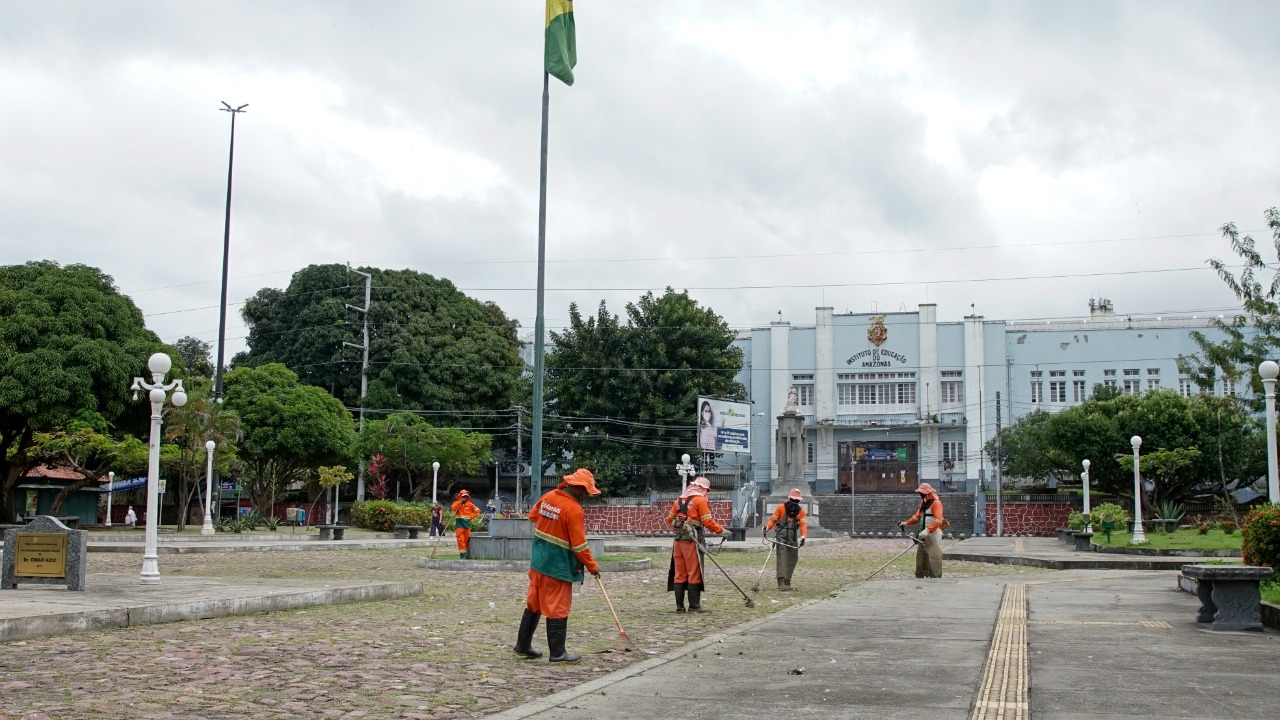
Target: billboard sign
<point x="723" y="426"/>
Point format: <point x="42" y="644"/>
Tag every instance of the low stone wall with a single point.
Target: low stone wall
<point x="641" y="519"/>
<point x="1029" y="519"/>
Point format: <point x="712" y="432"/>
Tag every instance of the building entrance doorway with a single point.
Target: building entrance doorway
<point x="877" y="466"/>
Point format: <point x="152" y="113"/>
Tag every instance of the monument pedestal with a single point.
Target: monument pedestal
<point x="790" y="461"/>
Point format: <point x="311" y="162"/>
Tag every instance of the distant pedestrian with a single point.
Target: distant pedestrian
<point x="489" y="511"/>
<point x="463" y="512"/>
<point x="130" y="518"/>
<point x="437" y="520"/>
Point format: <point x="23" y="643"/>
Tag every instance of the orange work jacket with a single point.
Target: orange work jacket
<point x="699" y="514"/>
<point x="780" y="514"/>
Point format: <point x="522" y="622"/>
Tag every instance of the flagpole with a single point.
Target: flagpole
<point x="535" y="476"/>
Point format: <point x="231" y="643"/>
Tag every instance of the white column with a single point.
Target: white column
<point x="824" y="395"/>
<point x="1139" y="536"/>
<point x="1084" y="476"/>
<point x="1269" y="370"/>
<point x="779" y="383"/>
<point x="207" y="527"/>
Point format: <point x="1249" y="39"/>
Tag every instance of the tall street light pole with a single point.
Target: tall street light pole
<point x="435" y="477"/>
<point x="1139" y="537"/>
<point x="1084" y="477"/>
<point x="159" y="365"/>
<point x="1269" y="370"/>
<point x="207" y="528"/>
<point x="226" y="254"/>
<point x="111" y="480"/>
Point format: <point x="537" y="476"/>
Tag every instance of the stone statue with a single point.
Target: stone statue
<point x="793" y="401"/>
<point x="790" y="465"/>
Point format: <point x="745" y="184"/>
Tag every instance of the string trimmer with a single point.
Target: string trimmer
<point x="756" y="588"/>
<point x="750" y="603"/>
<point x="914" y="541"/>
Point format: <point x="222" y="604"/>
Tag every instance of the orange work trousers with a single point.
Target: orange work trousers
<point x="464" y="537"/>
<point x="688" y="569"/>
<point x="548" y="596"/>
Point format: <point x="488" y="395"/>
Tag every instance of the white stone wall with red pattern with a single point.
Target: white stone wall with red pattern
<point x="641" y="520"/>
<point x="1029" y="519"/>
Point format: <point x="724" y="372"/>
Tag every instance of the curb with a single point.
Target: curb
<point x="522" y="565"/>
<point x="25" y="628"/>
<point x="550" y="702"/>
<point x="1166" y="552"/>
<point x="1151" y="563"/>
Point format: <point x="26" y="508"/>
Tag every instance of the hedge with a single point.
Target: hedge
<point x="384" y="515"/>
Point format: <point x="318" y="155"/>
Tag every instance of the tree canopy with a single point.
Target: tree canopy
<point x="194" y="356"/>
<point x="623" y="396"/>
<point x="409" y="445"/>
<point x="1253" y="334"/>
<point x="70" y="344"/>
<point x="1190" y="445"/>
<point x="431" y="346"/>
<point x="289" y="429"/>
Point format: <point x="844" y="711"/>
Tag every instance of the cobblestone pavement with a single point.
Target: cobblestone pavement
<point x="443" y="655"/>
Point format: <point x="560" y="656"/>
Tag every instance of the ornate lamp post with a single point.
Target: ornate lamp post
<point x="435" y="476"/>
<point x="207" y="528"/>
<point x="1139" y="537"/>
<point x="1269" y="370"/>
<point x="111" y="479"/>
<point x="685" y="469"/>
<point x="1084" y="476"/>
<point x="159" y="365"/>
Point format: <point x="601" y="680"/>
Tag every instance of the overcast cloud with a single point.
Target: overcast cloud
<point x="853" y="145"/>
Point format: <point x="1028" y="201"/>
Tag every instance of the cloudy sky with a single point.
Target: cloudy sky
<point x="769" y="156"/>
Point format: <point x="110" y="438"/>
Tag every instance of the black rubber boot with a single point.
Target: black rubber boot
<point x="695" y="601"/>
<point x="528" y="624"/>
<point x="782" y="584"/>
<point x="679" y="589"/>
<point x="557" y="629"/>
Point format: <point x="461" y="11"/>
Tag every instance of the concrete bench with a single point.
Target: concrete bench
<point x="1229" y="595"/>
<point x="337" y="530"/>
<point x="1083" y="540"/>
<point x="408" y="532"/>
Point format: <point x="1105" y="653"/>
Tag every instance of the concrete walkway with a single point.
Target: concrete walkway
<point x="1102" y="645"/>
<point x="118" y="600"/>
<point x="1058" y="555"/>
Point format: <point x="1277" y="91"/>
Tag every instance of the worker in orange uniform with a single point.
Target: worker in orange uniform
<point x="559" y="555"/>
<point x="690" y="517"/>
<point x="464" y="512"/>
<point x="792" y="530"/>
<point x="932" y="523"/>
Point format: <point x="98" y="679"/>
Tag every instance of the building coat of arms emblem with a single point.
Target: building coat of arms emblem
<point x="877" y="333"/>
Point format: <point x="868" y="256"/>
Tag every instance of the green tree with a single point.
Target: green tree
<point x="409" y="445"/>
<point x="70" y="343"/>
<point x="194" y="356"/>
<point x="431" y="346"/>
<point x="289" y="429"/>
<point x="86" y="446"/>
<point x="624" y="396"/>
<point x="1253" y="334"/>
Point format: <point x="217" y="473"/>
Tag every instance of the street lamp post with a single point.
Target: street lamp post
<point x="159" y="365"/>
<point x="435" y="476"/>
<point x="685" y="469"/>
<point x="111" y="479"/>
<point x="1269" y="370"/>
<point x="1139" y="537"/>
<point x="1084" y="477"/>
<point x="207" y="528"/>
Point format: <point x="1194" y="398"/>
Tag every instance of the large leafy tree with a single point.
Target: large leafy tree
<point x="431" y="346"/>
<point x="194" y="356"/>
<point x="70" y="343"/>
<point x="187" y="429"/>
<point x="1253" y="334"/>
<point x="87" y="446"/>
<point x="409" y="445"/>
<point x="1199" y="444"/>
<point x="289" y="429"/>
<point x="624" y="394"/>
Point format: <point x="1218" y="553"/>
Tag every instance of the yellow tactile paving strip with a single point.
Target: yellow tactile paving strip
<point x="1005" y="679"/>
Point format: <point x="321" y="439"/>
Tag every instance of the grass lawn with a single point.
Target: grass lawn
<point x="1184" y="539"/>
<point x="1271" y="592"/>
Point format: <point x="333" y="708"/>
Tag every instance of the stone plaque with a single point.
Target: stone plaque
<point x="41" y="555"/>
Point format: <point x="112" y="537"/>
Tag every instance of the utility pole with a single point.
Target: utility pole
<point x="226" y="260"/>
<point x="364" y="372"/>
<point x="996" y="470"/>
<point x="519" y="452"/>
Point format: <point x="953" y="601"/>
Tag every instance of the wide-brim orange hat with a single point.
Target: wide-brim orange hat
<point x="701" y="482"/>
<point x="582" y="477"/>
<point x="795" y="494"/>
<point x="464" y="493"/>
<point x="926" y="489"/>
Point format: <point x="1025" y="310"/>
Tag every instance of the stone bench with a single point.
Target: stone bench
<point x="1083" y="540"/>
<point x="337" y="530"/>
<point x="408" y="532"/>
<point x="1229" y="595"/>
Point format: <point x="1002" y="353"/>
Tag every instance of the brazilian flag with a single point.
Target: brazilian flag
<point x="561" y="50"/>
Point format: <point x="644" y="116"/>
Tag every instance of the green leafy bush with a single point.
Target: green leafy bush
<point x="1228" y="527"/>
<point x="384" y="515"/>
<point x="1109" y="511"/>
<point x="1170" y="510"/>
<point x="1261" y="536"/>
<point x="1075" y="521"/>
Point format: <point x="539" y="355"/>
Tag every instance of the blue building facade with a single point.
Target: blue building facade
<point x="895" y="399"/>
